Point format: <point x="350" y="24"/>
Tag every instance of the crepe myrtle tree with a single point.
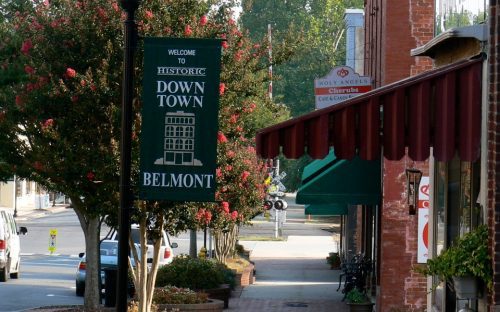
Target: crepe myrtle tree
<point x="240" y="194"/>
<point x="60" y="122"/>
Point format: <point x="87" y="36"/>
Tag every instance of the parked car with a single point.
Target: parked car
<point x="109" y="259"/>
<point x="166" y="249"/>
<point x="109" y="256"/>
<point x="10" y="247"/>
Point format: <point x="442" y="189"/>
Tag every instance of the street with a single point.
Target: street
<point x="49" y="279"/>
<point x="44" y="280"/>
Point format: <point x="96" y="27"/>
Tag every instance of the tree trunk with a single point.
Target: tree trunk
<point x="91" y="229"/>
<point x="144" y="278"/>
<point x="225" y="243"/>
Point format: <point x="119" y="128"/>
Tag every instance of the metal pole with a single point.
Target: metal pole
<point x="130" y="38"/>
<point x="275" y="223"/>
<point x="15" y="196"/>
<point x="210" y="254"/>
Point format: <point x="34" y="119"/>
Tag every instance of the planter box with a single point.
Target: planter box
<point x="246" y="277"/>
<point x="222" y="293"/>
<point x="465" y="287"/>
<point x="213" y="305"/>
<point x="360" y="307"/>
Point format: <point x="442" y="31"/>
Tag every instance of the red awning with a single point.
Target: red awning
<point x="439" y="109"/>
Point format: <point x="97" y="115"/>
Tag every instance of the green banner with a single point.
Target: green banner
<point x="179" y="119"/>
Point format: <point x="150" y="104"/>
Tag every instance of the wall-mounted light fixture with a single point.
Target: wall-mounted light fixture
<point x="413" y="177"/>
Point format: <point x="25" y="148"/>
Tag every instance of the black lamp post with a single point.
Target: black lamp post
<point x="130" y="42"/>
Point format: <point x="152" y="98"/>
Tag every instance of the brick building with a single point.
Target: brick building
<point x="434" y="109"/>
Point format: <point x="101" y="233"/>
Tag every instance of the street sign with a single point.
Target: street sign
<point x="52" y="240"/>
<point x="180" y="119"/>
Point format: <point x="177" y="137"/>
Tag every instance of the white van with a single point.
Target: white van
<point x="10" y="247"/>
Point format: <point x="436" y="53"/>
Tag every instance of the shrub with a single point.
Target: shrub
<point x="467" y="256"/>
<point x="356" y="296"/>
<point x="194" y="273"/>
<point x="176" y="295"/>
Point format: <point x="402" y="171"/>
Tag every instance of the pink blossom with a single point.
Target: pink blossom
<point x="225" y="206"/>
<point x="218" y="172"/>
<point x="244" y="175"/>
<point x="221" y="138"/>
<point x="203" y="20"/>
<point x="30" y="87"/>
<point x="149" y="14"/>
<point x="102" y="14"/>
<point x="231" y="21"/>
<point x="36" y="25"/>
<point x="19" y="100"/>
<point x="46" y="2"/>
<point x="93" y="87"/>
<point x="234" y="118"/>
<point x="229" y="168"/>
<point x="234" y="215"/>
<point x="238" y="55"/>
<point x="187" y="31"/>
<point x="70" y="72"/>
<point x="230" y="154"/>
<point x="222" y="88"/>
<point x="26" y="46"/>
<point x="83" y="83"/>
<point x="38" y="165"/>
<point x="200" y="214"/>
<point x="90" y="176"/>
<point x="28" y="69"/>
<point x="225" y="45"/>
<point x="115" y="7"/>
<point x="48" y="123"/>
<point x="208" y="217"/>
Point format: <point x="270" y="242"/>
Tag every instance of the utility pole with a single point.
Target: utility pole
<point x="270" y="36"/>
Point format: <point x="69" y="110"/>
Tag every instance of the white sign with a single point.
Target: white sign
<point x="340" y="84"/>
<point x="423" y="220"/>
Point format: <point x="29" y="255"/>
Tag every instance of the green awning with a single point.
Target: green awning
<point x="326" y="210"/>
<point x="346" y="182"/>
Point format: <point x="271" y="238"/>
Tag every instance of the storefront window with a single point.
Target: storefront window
<point x="456" y="212"/>
<point x="440" y="201"/>
<point x="458" y="13"/>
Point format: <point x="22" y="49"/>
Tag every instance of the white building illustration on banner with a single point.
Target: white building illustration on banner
<point x="178" y="143"/>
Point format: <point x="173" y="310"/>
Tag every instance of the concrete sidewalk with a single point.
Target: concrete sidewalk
<point x="291" y="275"/>
<point x="28" y="212"/>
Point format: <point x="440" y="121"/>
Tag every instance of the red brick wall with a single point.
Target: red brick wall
<point x="422" y="30"/>
<point x="400" y="288"/>
<point x="393" y="28"/>
<point x="494" y="150"/>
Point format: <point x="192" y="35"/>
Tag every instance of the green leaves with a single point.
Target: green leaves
<point x="467" y="256"/>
